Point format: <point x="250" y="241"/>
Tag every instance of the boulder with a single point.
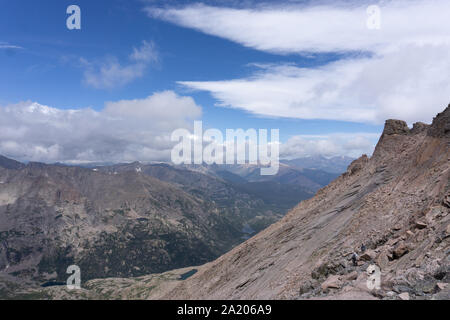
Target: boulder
<point x="441" y="285"/>
<point x="409" y="233"/>
<point x="404" y="296"/>
<point x="306" y="286"/>
<point x="400" y="250"/>
<point x="446" y="201"/>
<point x="441" y="273"/>
<point x="400" y="288"/>
<point x="383" y="259"/>
<point x="361" y="282"/>
<point x="393" y="241"/>
<point x="426" y="286"/>
<point x="368" y="255"/>
<point x="351" y="276"/>
<point x="332" y="282"/>
<point x="390" y="294"/>
<point x="421" y="225"/>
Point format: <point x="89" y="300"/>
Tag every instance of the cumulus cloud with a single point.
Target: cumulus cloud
<point x="336" y="144"/>
<point x="402" y="73"/>
<point x="110" y="73"/>
<point x="126" y="130"/>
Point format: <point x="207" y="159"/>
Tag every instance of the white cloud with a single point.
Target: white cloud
<point x="146" y="53"/>
<point x="402" y="75"/>
<point x="410" y="83"/>
<point x="336" y="144"/>
<point x="6" y="45"/>
<point x="289" y="28"/>
<point x="110" y="73"/>
<point x="126" y="130"/>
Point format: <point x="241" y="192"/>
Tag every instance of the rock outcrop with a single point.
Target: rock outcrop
<point x="395" y="127"/>
<point x="441" y="125"/>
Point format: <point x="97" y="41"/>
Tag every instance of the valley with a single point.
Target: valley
<point x="129" y="220"/>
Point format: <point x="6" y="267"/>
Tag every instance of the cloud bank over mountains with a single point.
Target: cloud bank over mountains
<point x="126" y="130"/>
<point x="336" y="144"/>
<point x="130" y="130"/>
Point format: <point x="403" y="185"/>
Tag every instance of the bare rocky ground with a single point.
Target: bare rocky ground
<point x="397" y="203"/>
<point x="140" y="288"/>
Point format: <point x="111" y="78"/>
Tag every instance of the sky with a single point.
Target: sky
<point x="327" y="74"/>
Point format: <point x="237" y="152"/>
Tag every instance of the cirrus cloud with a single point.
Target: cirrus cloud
<point x="6" y="45"/>
<point x="410" y="83"/>
<point x="328" y="27"/>
<point x="402" y="73"/>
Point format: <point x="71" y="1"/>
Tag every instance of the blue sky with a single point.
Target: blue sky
<point x="190" y="55"/>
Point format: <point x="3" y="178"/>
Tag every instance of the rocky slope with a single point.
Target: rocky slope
<point x="396" y="203"/>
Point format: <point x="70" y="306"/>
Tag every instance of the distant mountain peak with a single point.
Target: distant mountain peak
<point x="440" y="126"/>
<point x="8" y="163"/>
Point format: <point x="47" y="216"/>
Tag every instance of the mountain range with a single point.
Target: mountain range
<point x="392" y="210"/>
<point x="128" y="220"/>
